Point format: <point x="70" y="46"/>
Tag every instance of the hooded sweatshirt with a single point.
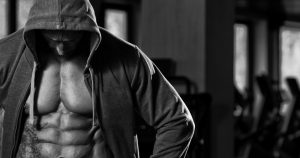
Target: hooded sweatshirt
<point x="70" y="15"/>
<point x="123" y="82"/>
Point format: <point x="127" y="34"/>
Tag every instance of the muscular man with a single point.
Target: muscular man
<point x="72" y="90"/>
<point x="64" y="124"/>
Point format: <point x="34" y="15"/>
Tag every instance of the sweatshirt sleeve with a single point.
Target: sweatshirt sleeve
<point x="162" y="108"/>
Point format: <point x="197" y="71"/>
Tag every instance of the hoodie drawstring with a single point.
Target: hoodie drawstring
<point x="32" y="91"/>
<point x="93" y="96"/>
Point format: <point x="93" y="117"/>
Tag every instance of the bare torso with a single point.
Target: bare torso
<point x="63" y="114"/>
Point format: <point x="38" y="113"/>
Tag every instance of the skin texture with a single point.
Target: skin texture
<point x="63" y="116"/>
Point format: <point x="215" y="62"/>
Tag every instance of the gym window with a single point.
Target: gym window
<point x="3" y="18"/>
<point x="290" y="56"/>
<point x="117" y="19"/>
<point x="241" y="57"/>
<point x="116" y="22"/>
<point x="23" y="7"/>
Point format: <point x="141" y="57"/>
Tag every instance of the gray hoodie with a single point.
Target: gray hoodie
<point x="122" y="80"/>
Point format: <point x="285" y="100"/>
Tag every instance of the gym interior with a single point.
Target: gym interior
<point x="234" y="63"/>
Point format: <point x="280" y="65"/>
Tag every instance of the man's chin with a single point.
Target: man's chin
<point x="61" y="53"/>
<point x="64" y="53"/>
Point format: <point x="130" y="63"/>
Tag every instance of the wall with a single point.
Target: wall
<point x="261" y="58"/>
<point x="175" y="29"/>
<point x="219" y="75"/>
<point x="261" y="61"/>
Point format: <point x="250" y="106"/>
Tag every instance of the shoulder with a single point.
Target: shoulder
<point x="113" y="50"/>
<point x="115" y="45"/>
<point x="9" y="51"/>
<point x="10" y="45"/>
<point x="12" y="39"/>
<point x="118" y="56"/>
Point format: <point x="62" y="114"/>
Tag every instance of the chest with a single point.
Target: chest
<point x="61" y="87"/>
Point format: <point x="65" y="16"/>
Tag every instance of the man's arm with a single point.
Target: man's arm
<point x="161" y="107"/>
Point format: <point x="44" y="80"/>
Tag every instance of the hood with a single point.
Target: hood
<point x="73" y="15"/>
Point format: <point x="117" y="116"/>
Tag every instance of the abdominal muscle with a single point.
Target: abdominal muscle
<point x="61" y="134"/>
